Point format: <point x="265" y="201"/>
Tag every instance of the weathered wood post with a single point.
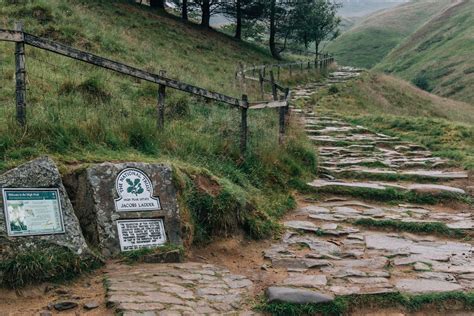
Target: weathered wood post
<point x="253" y="71"/>
<point x="290" y="70"/>
<point x="260" y="81"/>
<point x="264" y="71"/>
<point x="301" y="64"/>
<point x="281" y="121"/>
<point x="161" y="104"/>
<point x="309" y="65"/>
<point x="274" y="88"/>
<point x="243" y="87"/>
<point x="243" y="125"/>
<point x="20" y="78"/>
<point x="278" y="72"/>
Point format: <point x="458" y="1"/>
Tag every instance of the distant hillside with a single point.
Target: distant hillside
<point x="439" y="57"/>
<point x="371" y="39"/>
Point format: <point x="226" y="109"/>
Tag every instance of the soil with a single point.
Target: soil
<point x="34" y="299"/>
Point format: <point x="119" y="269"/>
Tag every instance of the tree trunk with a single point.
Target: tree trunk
<point x="316" y="44"/>
<point x="160" y="4"/>
<point x="273" y="49"/>
<point x="206" y="13"/>
<point x="184" y="10"/>
<point x="238" y="15"/>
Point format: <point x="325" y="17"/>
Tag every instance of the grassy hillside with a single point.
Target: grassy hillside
<point x="80" y="114"/>
<point x="439" y="56"/>
<point x="393" y="106"/>
<point x="372" y="38"/>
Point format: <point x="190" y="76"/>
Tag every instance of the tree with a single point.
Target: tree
<point x="243" y="12"/>
<point x="314" y="21"/>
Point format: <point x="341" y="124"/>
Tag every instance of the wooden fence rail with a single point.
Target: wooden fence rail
<point x="282" y="102"/>
<point x="21" y="38"/>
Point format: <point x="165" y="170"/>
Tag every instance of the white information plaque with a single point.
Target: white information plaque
<point x="32" y="211"/>
<point x="135" y="192"/>
<point x="141" y="233"/>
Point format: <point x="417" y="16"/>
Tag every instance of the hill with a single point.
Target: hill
<point x="439" y="56"/>
<point x="373" y="37"/>
<point x="80" y="114"/>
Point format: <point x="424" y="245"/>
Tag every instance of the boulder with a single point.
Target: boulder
<point x="99" y="206"/>
<point x="41" y="173"/>
<point x="296" y="296"/>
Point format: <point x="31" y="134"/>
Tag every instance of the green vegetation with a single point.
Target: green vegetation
<point x="438" y="56"/>
<point x="394" y="107"/>
<point x="80" y="114"/>
<point x="370" y="40"/>
<point x="392" y="195"/>
<point x="345" y="304"/>
<point x="140" y="254"/>
<point x="51" y="264"/>
<point x="412" y="227"/>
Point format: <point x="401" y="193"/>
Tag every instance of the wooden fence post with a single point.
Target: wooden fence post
<point x="260" y="80"/>
<point x="309" y="65"/>
<point x="278" y="72"/>
<point x="161" y="104"/>
<point x="20" y="78"/>
<point x="243" y="125"/>
<point x="290" y="70"/>
<point x="274" y="88"/>
<point x="301" y="64"/>
<point x="281" y="132"/>
<point x="264" y="71"/>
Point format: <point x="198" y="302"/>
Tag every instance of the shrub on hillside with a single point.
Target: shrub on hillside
<point x="421" y="81"/>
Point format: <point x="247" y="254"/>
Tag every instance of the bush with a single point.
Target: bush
<point x="421" y="81"/>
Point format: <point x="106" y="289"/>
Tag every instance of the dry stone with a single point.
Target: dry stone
<point x="297" y="296"/>
<point x="42" y="173"/>
<point x="95" y="195"/>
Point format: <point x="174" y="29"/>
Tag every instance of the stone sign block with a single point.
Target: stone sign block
<point x="125" y="206"/>
<point x="36" y="211"/>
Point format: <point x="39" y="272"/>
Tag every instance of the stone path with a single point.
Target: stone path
<point x="326" y="254"/>
<point x="175" y="289"/>
<point x="325" y="251"/>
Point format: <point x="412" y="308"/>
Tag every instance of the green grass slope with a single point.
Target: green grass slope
<point x="80" y="114"/>
<point x="439" y="56"/>
<point x="372" y="38"/>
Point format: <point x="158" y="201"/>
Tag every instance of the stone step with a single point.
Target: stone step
<point x="419" y="173"/>
<point x="351" y="210"/>
<point x="373" y="185"/>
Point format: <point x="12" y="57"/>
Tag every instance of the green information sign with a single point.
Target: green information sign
<point x="32" y="212"/>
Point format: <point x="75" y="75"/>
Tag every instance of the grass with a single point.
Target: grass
<point x="78" y="114"/>
<point x="412" y="227"/>
<point x="438" y="55"/>
<point x="370" y="40"/>
<point x="343" y="305"/>
<point x="139" y="255"/>
<point x="50" y="264"/>
<point x="392" y="195"/>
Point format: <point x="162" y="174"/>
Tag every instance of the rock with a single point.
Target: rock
<point x="96" y="195"/>
<point x="434" y="188"/>
<point x="302" y="225"/>
<point x="62" y="306"/>
<point x="426" y="286"/>
<point x="45" y="313"/>
<point x="296" y="296"/>
<point x="304" y="280"/>
<point x="42" y="173"/>
<point x="421" y="266"/>
<point x="91" y="305"/>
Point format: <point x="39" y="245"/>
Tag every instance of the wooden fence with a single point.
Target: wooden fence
<point x="21" y="38"/>
<point x="266" y="74"/>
